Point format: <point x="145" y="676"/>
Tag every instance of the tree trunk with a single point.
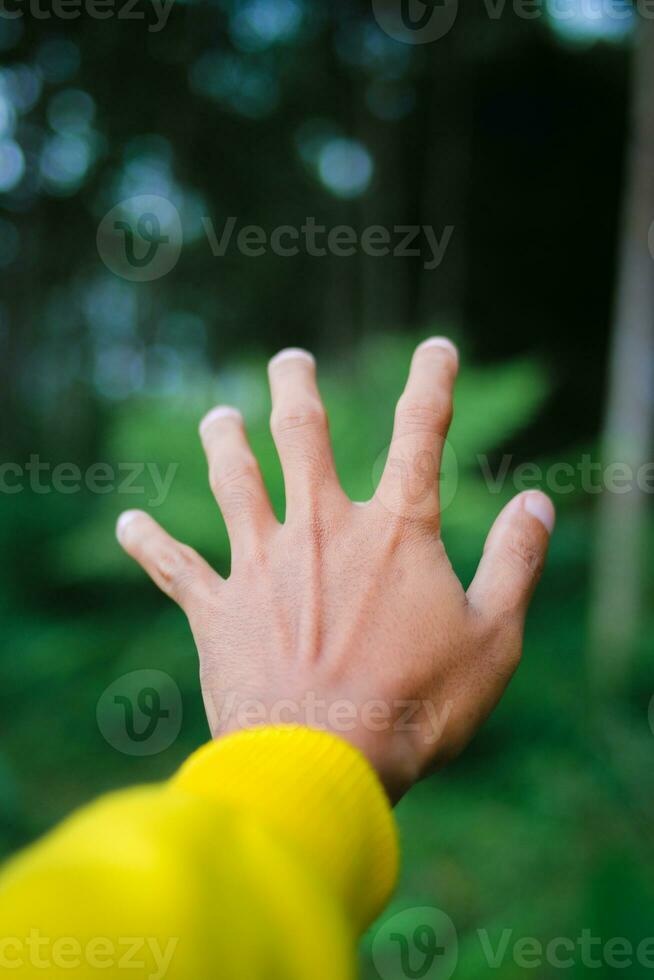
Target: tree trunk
<point x="617" y="592"/>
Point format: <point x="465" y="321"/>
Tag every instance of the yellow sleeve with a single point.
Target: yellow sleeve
<point x="263" y="858"/>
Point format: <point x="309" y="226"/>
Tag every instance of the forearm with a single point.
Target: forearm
<point x="268" y="847"/>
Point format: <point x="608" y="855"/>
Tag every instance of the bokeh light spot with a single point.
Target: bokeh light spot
<point x="345" y="167"/>
<point x="12" y="164"/>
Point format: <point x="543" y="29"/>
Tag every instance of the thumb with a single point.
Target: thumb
<point x="514" y="555"/>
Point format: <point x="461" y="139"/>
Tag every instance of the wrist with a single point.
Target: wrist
<point x="394" y="760"/>
<point x="392" y="753"/>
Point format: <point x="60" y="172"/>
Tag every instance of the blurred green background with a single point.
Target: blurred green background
<point x="511" y="130"/>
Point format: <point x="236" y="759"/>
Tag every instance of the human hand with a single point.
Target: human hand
<point x="349" y="616"/>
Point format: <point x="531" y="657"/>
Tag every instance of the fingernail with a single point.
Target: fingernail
<point x="292" y="352"/>
<point x="220" y="412"/>
<point x="125" y="518"/>
<point x="541" y="507"/>
<point x="443" y="342"/>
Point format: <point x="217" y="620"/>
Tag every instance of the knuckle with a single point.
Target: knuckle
<point x="308" y="414"/>
<point x="522" y="554"/>
<point x="400" y="530"/>
<point x="176" y="568"/>
<point x="417" y="416"/>
<point x="234" y="474"/>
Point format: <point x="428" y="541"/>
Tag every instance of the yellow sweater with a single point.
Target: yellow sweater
<point x="265" y="856"/>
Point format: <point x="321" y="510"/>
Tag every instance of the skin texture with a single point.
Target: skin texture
<point x="349" y="616"/>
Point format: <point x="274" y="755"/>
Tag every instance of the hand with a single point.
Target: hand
<point x="349" y="616"/>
